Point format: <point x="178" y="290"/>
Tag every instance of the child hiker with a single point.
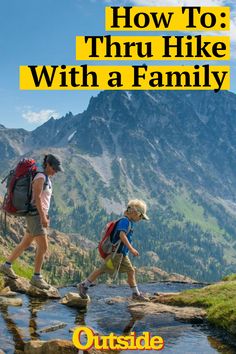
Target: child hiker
<point x="120" y="262"/>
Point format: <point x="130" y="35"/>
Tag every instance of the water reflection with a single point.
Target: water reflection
<point x="80" y="318"/>
<point x="35" y="305"/>
<point x="17" y="335"/>
<point x="131" y="325"/>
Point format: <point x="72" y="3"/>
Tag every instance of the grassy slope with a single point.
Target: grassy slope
<point x="22" y="269"/>
<point x="219" y="300"/>
<point x="194" y="214"/>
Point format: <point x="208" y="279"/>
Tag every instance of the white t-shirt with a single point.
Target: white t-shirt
<point x="46" y="192"/>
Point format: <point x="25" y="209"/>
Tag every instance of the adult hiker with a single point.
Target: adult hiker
<point x="37" y="222"/>
<point x="119" y="261"/>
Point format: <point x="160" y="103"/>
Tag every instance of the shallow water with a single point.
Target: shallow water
<point x="34" y="319"/>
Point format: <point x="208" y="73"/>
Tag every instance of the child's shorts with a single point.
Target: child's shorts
<point x="111" y="264"/>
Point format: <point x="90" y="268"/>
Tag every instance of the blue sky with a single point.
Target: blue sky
<point x="34" y="32"/>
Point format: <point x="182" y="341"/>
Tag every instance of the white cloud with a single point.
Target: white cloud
<point x="233" y="26"/>
<point x="39" y="117"/>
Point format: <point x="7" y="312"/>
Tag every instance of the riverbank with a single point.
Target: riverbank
<point x="218" y="300"/>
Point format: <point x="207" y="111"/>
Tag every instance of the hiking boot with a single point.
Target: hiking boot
<point x="39" y="283"/>
<point x="82" y="291"/>
<point x="139" y="297"/>
<point x="8" y="271"/>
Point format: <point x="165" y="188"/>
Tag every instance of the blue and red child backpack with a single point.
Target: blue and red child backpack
<point x="105" y="246"/>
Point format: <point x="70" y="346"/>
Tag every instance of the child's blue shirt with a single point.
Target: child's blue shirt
<point x="126" y="226"/>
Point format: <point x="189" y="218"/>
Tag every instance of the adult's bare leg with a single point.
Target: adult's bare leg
<point x="19" y="249"/>
<point x="42" y="246"/>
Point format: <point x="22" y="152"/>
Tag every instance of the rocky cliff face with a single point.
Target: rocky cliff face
<point x="180" y="136"/>
<point x="12" y="145"/>
<point x="174" y="149"/>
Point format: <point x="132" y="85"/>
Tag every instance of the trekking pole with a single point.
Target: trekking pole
<point x="120" y="261"/>
<point x="118" y="268"/>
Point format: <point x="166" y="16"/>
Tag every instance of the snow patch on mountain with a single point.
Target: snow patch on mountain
<point x="150" y="95"/>
<point x="71" y="136"/>
<point x="111" y="206"/>
<point x="129" y="95"/>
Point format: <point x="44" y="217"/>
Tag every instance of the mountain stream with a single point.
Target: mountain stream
<point x="48" y="319"/>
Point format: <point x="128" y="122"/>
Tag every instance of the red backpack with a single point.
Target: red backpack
<point x="19" y="188"/>
<point x="105" y="246"/>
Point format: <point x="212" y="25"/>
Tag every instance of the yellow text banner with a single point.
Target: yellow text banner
<point x="136" y="77"/>
<point x="152" y="18"/>
<point x="153" y="47"/>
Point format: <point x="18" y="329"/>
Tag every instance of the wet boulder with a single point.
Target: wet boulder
<point x="187" y="313"/>
<point x="7" y="301"/>
<point x="55" y="346"/>
<point x="22" y="285"/>
<point x="7" y="292"/>
<point x="115" y="300"/>
<point x="74" y="300"/>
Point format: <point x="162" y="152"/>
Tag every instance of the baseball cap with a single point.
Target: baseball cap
<point x="140" y="206"/>
<point x="142" y="211"/>
<point x="55" y="162"/>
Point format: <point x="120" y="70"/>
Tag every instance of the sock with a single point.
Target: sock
<point x="135" y="290"/>
<point x="86" y="283"/>
<point x="8" y="264"/>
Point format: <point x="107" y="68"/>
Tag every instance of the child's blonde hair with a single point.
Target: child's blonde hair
<point x="138" y="205"/>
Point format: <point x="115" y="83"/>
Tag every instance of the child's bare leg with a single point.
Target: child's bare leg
<point x="132" y="282"/>
<point x="83" y="287"/>
<point x="94" y="275"/>
<point x="131" y="278"/>
<point x="133" y="286"/>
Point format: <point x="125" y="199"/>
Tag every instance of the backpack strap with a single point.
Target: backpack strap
<point x="32" y="208"/>
<point x="122" y="256"/>
<point x="129" y="228"/>
<point x="46" y="182"/>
